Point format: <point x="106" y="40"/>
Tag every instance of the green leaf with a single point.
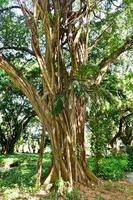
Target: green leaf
<point x="58" y="104"/>
<point x="87" y="71"/>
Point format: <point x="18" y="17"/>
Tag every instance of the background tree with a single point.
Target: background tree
<point x="109" y="118"/>
<point x="60" y="28"/>
<point x="15" y="113"/>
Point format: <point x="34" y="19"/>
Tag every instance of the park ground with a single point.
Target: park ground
<point x="17" y="180"/>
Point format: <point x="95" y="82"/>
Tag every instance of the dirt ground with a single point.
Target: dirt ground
<point x="107" y="190"/>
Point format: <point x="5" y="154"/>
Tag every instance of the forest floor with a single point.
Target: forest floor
<point x="17" y="178"/>
<point x="108" y="190"/>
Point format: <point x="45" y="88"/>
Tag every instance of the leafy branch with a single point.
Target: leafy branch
<point x="106" y="62"/>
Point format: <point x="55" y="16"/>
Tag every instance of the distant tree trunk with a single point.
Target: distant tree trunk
<point x="40" y="158"/>
<point x="29" y="147"/>
<point x="8" y="143"/>
<point x="3" y="150"/>
<point x="10" y="147"/>
<point x="98" y="152"/>
<point x="2" y="141"/>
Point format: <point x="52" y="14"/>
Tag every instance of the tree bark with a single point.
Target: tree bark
<point x="68" y="149"/>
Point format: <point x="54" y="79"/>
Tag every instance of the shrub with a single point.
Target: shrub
<point x="111" y="167"/>
<point x="129" y="151"/>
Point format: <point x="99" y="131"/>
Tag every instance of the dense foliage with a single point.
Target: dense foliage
<point x="112" y="167"/>
<point x="130" y="157"/>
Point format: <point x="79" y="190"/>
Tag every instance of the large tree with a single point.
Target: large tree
<point x="74" y="43"/>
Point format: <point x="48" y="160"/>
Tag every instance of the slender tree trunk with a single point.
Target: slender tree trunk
<point x="40" y="158"/>
<point x="3" y="151"/>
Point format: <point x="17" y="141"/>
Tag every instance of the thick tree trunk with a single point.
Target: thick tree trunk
<point x="67" y="141"/>
<point x="11" y="142"/>
<point x="10" y="147"/>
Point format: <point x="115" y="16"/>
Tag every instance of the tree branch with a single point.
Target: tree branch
<point x="20" y="126"/>
<point x="9" y="8"/>
<point x="97" y="39"/>
<point x="119" y="133"/>
<point x="25" y="49"/>
<point x="106" y="62"/>
<point x="39" y="105"/>
<point x="21" y="83"/>
<point x="35" y="44"/>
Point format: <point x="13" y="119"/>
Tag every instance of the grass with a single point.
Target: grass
<point x="17" y="182"/>
<point x="20" y="177"/>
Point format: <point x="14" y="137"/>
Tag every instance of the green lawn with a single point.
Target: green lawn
<point x="19" y="177"/>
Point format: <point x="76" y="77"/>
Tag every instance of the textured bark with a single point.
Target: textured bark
<point x="68" y="149"/>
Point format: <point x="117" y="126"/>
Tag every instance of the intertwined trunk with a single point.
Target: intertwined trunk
<point x="67" y="142"/>
<point x="65" y="30"/>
